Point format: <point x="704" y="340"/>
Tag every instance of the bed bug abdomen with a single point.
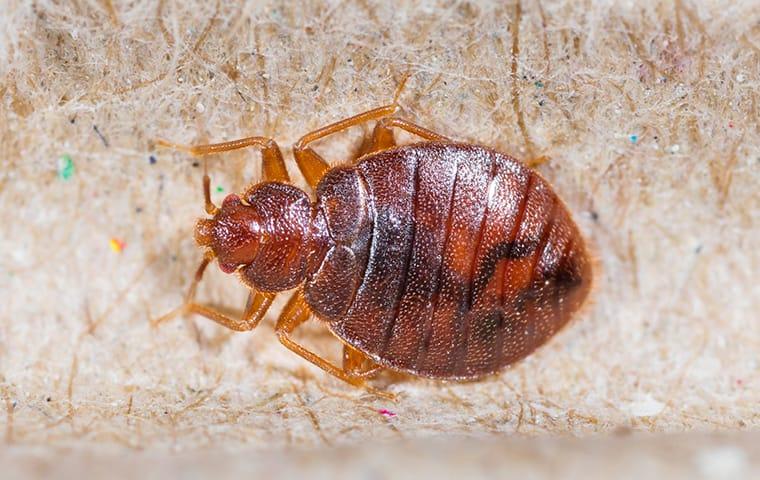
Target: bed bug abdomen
<point x="446" y="260"/>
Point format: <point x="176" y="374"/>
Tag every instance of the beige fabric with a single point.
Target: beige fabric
<point x="669" y="344"/>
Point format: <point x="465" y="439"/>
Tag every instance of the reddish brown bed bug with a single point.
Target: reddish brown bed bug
<point x="441" y="259"/>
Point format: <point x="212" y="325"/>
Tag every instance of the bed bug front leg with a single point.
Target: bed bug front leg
<point x="273" y="164"/>
<point x="295" y="314"/>
<point x="273" y="170"/>
<point x="257" y="305"/>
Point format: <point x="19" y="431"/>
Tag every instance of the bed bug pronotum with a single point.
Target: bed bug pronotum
<point x="441" y="259"/>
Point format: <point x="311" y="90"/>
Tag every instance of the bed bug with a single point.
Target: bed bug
<point x="441" y="259"/>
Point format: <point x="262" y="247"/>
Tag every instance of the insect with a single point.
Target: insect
<point x="442" y="259"/>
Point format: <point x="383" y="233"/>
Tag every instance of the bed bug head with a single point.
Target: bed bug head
<point x="264" y="235"/>
<point x="232" y="234"/>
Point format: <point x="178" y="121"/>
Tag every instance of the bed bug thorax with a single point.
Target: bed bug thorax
<point x="271" y="236"/>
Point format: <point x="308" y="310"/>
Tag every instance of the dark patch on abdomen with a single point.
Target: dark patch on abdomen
<point x="503" y="251"/>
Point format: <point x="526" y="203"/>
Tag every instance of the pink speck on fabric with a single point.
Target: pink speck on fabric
<point x="386" y="413"/>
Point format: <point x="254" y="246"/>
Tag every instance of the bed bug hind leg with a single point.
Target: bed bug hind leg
<point x="295" y="314"/>
<point x="257" y="305"/>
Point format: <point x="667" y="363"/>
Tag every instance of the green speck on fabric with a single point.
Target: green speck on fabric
<point x="65" y="167"/>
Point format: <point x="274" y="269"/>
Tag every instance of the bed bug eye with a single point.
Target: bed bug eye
<point x="204" y="232"/>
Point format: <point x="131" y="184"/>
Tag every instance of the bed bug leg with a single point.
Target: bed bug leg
<point x="296" y="313"/>
<point x="257" y="305"/>
<point x="357" y="364"/>
<point x="384" y="126"/>
<point x="311" y="164"/>
<point x="382" y="136"/>
<point x="273" y="164"/>
<point x="381" y="139"/>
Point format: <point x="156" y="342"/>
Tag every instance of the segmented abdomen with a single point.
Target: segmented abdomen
<point x="452" y="260"/>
